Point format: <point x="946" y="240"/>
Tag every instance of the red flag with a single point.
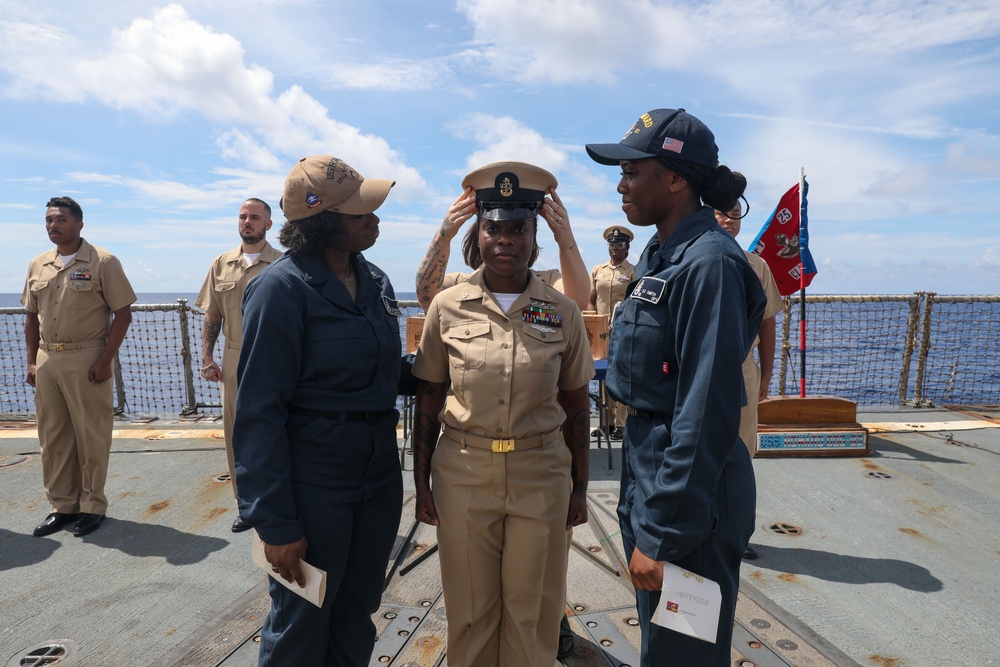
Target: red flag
<point x="781" y="241"/>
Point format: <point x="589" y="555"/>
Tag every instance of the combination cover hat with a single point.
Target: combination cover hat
<point x="618" y="233"/>
<point x="509" y="190"/>
<point x="670" y="133"/>
<point x="324" y="183"/>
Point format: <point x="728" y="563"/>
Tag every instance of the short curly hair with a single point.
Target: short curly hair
<point x="68" y="203"/>
<point x="313" y="235"/>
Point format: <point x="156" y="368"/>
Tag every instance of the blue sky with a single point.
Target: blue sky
<point x="160" y="118"/>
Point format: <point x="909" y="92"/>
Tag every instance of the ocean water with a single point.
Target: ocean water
<point x="857" y="348"/>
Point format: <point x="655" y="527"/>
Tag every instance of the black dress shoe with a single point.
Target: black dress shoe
<point x="53" y="523"/>
<point x="567" y="640"/>
<point x="87" y="523"/>
<point x="618" y="433"/>
<point x="750" y="553"/>
<point x="240" y="525"/>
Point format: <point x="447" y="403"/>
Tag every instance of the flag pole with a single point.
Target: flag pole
<point x="802" y="294"/>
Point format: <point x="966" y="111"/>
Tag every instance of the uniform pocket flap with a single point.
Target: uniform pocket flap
<point x="543" y="333"/>
<point x="468" y="330"/>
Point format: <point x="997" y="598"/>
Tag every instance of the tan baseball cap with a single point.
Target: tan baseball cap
<point x="324" y="183"/>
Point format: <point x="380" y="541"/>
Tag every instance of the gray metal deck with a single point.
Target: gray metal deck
<point x="890" y="560"/>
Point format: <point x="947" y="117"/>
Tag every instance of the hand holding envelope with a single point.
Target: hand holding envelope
<point x="315" y="588"/>
<point x="689" y="604"/>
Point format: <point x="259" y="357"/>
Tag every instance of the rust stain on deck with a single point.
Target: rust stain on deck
<point x="159" y="507"/>
<point x="789" y="577"/>
<point x="883" y="661"/>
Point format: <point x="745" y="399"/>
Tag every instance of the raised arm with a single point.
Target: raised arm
<point x="430" y="275"/>
<point x="575" y="277"/>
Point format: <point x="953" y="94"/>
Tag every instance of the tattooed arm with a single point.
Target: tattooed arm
<point x="209" y="335"/>
<point x="427" y="427"/>
<point x="576" y="433"/>
<point x="430" y="275"/>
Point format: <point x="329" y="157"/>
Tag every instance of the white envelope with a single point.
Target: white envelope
<point x="689" y="604"/>
<point x="315" y="589"/>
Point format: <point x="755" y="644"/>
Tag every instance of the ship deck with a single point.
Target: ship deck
<point x="888" y="560"/>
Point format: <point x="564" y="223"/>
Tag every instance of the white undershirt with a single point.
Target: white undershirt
<point x="66" y="259"/>
<point x="250" y="257"/>
<point x="505" y="300"/>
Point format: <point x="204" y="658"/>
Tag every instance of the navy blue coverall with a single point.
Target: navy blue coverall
<point x="309" y="348"/>
<point x="675" y="358"/>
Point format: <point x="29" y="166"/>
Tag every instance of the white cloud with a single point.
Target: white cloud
<point x="168" y="65"/>
<point x="506" y="138"/>
<point x="390" y="74"/>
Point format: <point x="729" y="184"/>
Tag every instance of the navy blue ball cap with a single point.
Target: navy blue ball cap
<point x="670" y="133"/>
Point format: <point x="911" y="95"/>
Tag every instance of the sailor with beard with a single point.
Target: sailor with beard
<point x="220" y="298"/>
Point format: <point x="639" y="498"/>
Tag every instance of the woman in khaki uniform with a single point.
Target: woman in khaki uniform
<point x="510" y="470"/>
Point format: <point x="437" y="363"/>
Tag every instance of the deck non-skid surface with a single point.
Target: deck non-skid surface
<point x="888" y="560"/>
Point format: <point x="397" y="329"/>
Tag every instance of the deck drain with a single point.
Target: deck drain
<point x="222" y="478"/>
<point x="875" y="474"/>
<point x="785" y="529"/>
<point x="52" y="653"/>
<point x="7" y="461"/>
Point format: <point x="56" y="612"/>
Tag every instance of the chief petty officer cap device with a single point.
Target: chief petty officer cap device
<point x="509" y="190"/>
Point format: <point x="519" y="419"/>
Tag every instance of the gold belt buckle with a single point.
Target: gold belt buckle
<point x="57" y="347"/>
<point x="503" y="446"/>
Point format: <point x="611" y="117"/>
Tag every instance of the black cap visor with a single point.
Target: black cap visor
<point x="492" y="210"/>
<point x="612" y="154"/>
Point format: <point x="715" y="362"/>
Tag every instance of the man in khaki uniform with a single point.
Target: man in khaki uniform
<point x="608" y="283"/>
<point x="756" y="378"/>
<point x="221" y="297"/>
<point x="77" y="298"/>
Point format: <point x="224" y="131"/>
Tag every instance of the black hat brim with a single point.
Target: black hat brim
<point x="612" y="154"/>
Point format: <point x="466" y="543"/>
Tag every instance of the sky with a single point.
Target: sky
<point x="160" y="118"/>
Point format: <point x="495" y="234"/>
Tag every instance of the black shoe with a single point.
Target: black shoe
<point x="567" y="640"/>
<point x="87" y="523"/>
<point x="53" y="523"/>
<point x="617" y="433"/>
<point x="750" y="553"/>
<point x="239" y="525"/>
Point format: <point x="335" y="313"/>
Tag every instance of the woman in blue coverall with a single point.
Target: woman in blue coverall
<point x="675" y="359"/>
<point x="314" y="436"/>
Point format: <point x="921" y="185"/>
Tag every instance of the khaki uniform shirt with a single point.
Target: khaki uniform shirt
<point x="222" y="293"/>
<point x="774" y="303"/>
<point x="74" y="302"/>
<point x="551" y="277"/>
<point x="505" y="371"/>
<point x="609" y="282"/>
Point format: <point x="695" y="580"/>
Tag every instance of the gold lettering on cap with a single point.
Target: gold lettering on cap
<point x="506" y="187"/>
<point x="647" y="120"/>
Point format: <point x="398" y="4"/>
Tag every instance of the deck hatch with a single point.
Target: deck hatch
<point x="47" y="654"/>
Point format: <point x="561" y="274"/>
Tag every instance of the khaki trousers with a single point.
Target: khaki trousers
<point x="75" y="420"/>
<point x="504" y="547"/>
<point x="230" y="360"/>
<point x="748" y="415"/>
